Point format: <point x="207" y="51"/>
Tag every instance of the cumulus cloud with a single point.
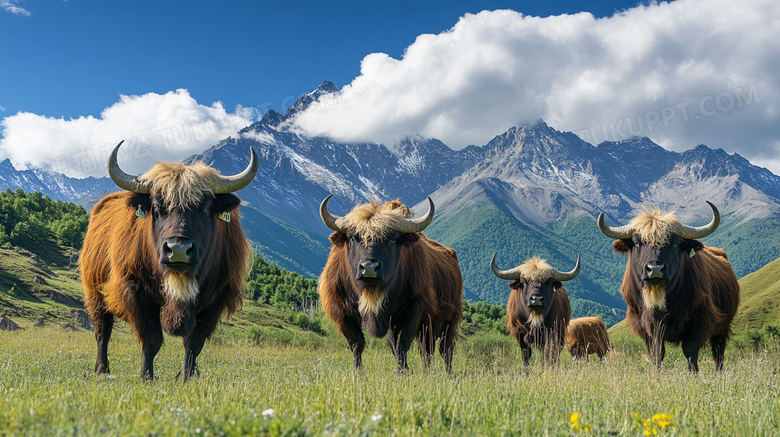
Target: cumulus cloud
<point x="691" y="71"/>
<point x="12" y="7"/>
<point x="165" y="127"/>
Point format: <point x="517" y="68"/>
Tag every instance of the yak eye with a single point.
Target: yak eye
<point x="391" y="241"/>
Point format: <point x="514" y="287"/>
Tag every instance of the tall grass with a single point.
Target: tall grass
<point x="263" y="387"/>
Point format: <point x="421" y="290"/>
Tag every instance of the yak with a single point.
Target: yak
<point x="167" y="253"/>
<point x="677" y="289"/>
<point x="385" y="277"/>
<point x="538" y="310"/>
<point x="588" y="335"/>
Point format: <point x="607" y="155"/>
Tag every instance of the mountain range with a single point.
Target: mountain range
<point x="531" y="190"/>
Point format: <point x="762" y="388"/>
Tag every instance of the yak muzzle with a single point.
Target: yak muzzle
<point x="179" y="255"/>
<point x="369" y="269"/>
<point x="654" y="270"/>
<point x="536" y="301"/>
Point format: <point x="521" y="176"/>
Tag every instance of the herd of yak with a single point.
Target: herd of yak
<point x="168" y="253"/>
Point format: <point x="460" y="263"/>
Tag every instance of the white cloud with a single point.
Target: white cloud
<point x="12" y="7"/>
<point x="2" y="108"/>
<point x="261" y="137"/>
<point x="498" y="69"/>
<point x="166" y="127"/>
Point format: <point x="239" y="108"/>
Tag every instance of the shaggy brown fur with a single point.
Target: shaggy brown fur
<point x="421" y="298"/>
<point x="546" y="333"/>
<point x="122" y="277"/>
<point x="700" y="301"/>
<point x="588" y="335"/>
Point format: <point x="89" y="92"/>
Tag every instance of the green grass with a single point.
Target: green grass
<point x="47" y="388"/>
<point x="759" y="298"/>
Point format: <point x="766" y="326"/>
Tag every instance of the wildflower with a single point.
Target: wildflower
<point x="269" y="412"/>
<point x="576" y="425"/>
<point x="376" y="417"/>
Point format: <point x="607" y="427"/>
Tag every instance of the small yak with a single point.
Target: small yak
<point x="384" y="276"/>
<point x="166" y="253"/>
<point x="538" y="310"/>
<point x="677" y="289"/>
<point x="588" y="335"/>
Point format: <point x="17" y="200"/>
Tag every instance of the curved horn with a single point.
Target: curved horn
<point x="124" y="180"/>
<point x="412" y="226"/>
<point x="510" y="274"/>
<point x="334" y="222"/>
<point x="618" y="232"/>
<point x="568" y="276"/>
<point x="229" y="184"/>
<point x="696" y="232"/>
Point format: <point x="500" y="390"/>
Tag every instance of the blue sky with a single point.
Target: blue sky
<point x="78" y="76"/>
<point x="75" y="58"/>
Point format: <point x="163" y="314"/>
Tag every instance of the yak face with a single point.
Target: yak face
<point x="656" y="267"/>
<point x="535" y="282"/>
<point x="657" y="244"/>
<point x="374" y="264"/>
<point x="375" y="234"/>
<point x="184" y="215"/>
<point x="537" y="296"/>
<point x="185" y="202"/>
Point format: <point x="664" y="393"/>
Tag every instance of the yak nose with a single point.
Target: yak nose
<point x="369" y="268"/>
<point x="654" y="269"/>
<point x="536" y="301"/>
<point x="179" y="252"/>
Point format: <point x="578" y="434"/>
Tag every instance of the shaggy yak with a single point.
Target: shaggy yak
<point x="384" y="276"/>
<point x="677" y="289"/>
<point x="538" y="310"/>
<point x="588" y="335"/>
<point x="167" y="253"/>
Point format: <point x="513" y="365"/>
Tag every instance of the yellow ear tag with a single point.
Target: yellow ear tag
<point x="693" y="252"/>
<point x="140" y="213"/>
<point x="225" y="216"/>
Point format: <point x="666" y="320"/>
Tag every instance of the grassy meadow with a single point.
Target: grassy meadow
<point x="303" y="384"/>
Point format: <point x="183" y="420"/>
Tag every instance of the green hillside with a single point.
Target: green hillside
<point x="283" y="244"/>
<point x="759" y="299"/>
<point x="750" y="244"/>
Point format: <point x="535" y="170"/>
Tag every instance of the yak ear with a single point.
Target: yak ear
<point x="517" y="284"/>
<point x="688" y="245"/>
<point x="623" y="246"/>
<point x="226" y="202"/>
<point x="144" y="201"/>
<point x="557" y="285"/>
<point x="338" y="238"/>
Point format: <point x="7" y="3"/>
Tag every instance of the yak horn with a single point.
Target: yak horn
<point x="618" y="232"/>
<point x="229" y="184"/>
<point x="336" y="223"/>
<point x="412" y="226"/>
<point x="124" y="180"/>
<point x="696" y="232"/>
<point x="511" y="274"/>
<point x="568" y="276"/>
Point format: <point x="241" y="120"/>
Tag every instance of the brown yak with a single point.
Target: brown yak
<point x="538" y="310"/>
<point x="588" y="335"/>
<point x="167" y="253"/>
<point x="384" y="276"/>
<point x="677" y="289"/>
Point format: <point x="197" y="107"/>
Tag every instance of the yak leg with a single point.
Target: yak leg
<point x="104" y="325"/>
<point x="151" y="336"/>
<point x="696" y="337"/>
<point x="205" y="324"/>
<point x="718" y="345"/>
<point x="525" y="348"/>
<point x="353" y="332"/>
<point x="400" y="341"/>
<point x="447" y="345"/>
<point x="402" y="331"/>
<point x="426" y="343"/>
